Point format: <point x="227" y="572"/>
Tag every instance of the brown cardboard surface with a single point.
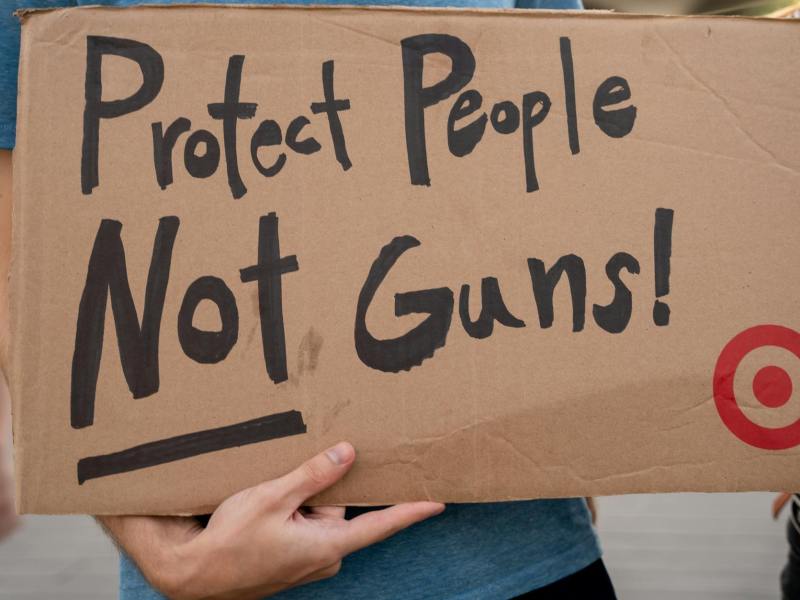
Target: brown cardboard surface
<point x="696" y="188"/>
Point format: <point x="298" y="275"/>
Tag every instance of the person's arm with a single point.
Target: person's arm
<point x="8" y="516"/>
<point x="5" y="253"/>
<point x="259" y="541"/>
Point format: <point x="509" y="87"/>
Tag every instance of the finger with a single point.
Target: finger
<point x="374" y="526"/>
<point x="315" y="475"/>
<point x="336" y="512"/>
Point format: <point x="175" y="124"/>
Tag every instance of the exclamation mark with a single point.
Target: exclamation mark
<point x="662" y="251"/>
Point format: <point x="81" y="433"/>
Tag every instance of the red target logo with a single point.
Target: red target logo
<point x="772" y="387"/>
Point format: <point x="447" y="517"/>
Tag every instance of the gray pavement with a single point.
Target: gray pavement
<point x="693" y="546"/>
<point x="58" y="558"/>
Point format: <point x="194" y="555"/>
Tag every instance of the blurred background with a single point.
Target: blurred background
<point x="657" y="547"/>
<point x="686" y="7"/>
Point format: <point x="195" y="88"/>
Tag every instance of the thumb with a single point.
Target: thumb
<point x="316" y="474"/>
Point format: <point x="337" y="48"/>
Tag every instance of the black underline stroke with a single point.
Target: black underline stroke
<point x="184" y="446"/>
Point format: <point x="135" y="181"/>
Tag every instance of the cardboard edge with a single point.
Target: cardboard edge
<point x="326" y="499"/>
<point x="15" y="289"/>
<point x="25" y="14"/>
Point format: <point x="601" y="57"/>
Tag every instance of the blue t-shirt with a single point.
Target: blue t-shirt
<point x="471" y="551"/>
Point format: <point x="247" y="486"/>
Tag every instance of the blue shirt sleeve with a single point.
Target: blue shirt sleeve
<point x="550" y="4"/>
<point x="9" y="61"/>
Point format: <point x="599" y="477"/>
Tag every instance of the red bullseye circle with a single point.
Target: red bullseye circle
<point x="772" y="387"/>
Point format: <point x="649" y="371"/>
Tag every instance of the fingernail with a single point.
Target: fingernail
<point x="340" y="454"/>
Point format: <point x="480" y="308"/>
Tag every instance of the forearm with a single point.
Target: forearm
<point x="8" y="517"/>
<point x="5" y="253"/>
<point x="154" y="544"/>
<point x="180" y="570"/>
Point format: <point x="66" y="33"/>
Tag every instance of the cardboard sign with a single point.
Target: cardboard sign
<point x="505" y="254"/>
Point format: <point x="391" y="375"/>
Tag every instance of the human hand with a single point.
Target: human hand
<point x="260" y="541"/>
<point x="778" y="503"/>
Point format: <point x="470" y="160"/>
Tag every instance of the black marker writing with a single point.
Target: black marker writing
<point x="229" y="112"/>
<point x="614" y="317"/>
<point x="465" y="127"/>
<point x="185" y="446"/>
<point x="138" y="345"/>
<point x="208" y="347"/>
<point x="662" y="252"/>
<point x="544" y="282"/>
<point x="267" y="273"/>
<point x="267" y="134"/>
<point x="619" y="122"/>
<point x="493" y="308"/>
<point x="416" y="345"/>
<point x="163" y="143"/>
<point x="331" y="107"/>
<point x="418" y="98"/>
<point x="466" y="124"/>
<point x="152" y="67"/>
<point x="568" y="70"/>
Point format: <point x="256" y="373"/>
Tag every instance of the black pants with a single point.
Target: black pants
<point x="591" y="583"/>
<point x="790" y="578"/>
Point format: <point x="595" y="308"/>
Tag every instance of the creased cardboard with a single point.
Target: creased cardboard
<point x="506" y="254"/>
